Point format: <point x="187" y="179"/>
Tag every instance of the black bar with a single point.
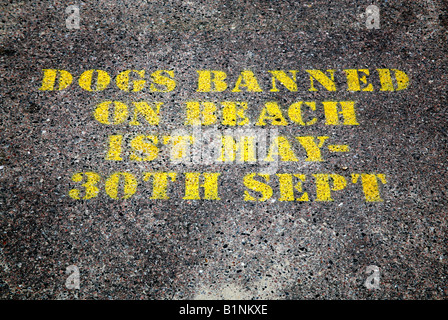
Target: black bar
<point x="223" y="309"/>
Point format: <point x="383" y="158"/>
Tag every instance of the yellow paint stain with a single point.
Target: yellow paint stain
<point x="339" y="148"/>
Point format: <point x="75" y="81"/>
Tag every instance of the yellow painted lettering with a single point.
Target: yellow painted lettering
<point x="290" y="83"/>
<point x="180" y="146"/>
<point x="113" y="182"/>
<point x="233" y="113"/>
<point x="50" y="78"/>
<point x="323" y="187"/>
<point x="162" y="83"/>
<point x="103" y="113"/>
<point x="354" y="80"/>
<point x="347" y="112"/>
<point x="144" y="148"/>
<point x="313" y="149"/>
<point x="245" y="148"/>
<point x="124" y="83"/>
<point x="287" y="187"/>
<point x="272" y="112"/>
<point x="370" y="185"/>
<point x="281" y="147"/>
<point x="114" y="149"/>
<point x="295" y="113"/>
<point x="86" y="80"/>
<point x="210" y="186"/>
<point x="255" y="185"/>
<point x="211" y="81"/>
<point x="150" y="111"/>
<point x="247" y="80"/>
<point x="386" y="81"/>
<point x="159" y="183"/>
<point x="90" y="185"/>
<point x="200" y="113"/>
<point x="323" y="79"/>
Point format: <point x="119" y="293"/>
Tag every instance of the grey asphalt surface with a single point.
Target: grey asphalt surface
<point x="140" y="248"/>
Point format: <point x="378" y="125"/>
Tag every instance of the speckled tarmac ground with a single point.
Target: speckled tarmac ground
<point x="139" y="248"/>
